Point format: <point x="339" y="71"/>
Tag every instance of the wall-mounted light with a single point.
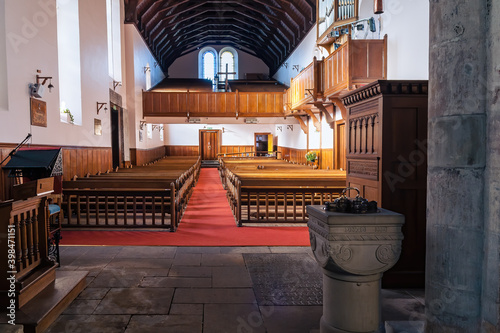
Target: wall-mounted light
<point x="285" y="64"/>
<point x="296" y="67"/>
<point x="142" y="123"/>
<point x="289" y="127"/>
<point x="155" y="64"/>
<point x="147" y="69"/>
<point x="157" y="127"/>
<point x="308" y="92"/>
<point x="116" y="84"/>
<point x="37" y="89"/>
<point x="100" y="105"/>
<point x="279" y="128"/>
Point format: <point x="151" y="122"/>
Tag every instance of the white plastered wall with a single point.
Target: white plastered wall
<point x="137" y="58"/>
<point x="406" y="23"/>
<point x="31" y="44"/>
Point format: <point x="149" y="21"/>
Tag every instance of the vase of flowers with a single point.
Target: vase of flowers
<point x="311" y="156"/>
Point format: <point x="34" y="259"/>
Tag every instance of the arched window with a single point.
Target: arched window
<point x="228" y="61"/>
<point x="207" y="63"/>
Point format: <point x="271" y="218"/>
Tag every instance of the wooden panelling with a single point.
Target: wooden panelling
<point x="306" y="86"/>
<point x="77" y="161"/>
<point x="326" y="159"/>
<point x="353" y="64"/>
<point x="293" y="155"/>
<point x="194" y="150"/>
<point x="144" y="156"/>
<point x="182" y="150"/>
<point x="236" y="149"/>
<point x="387" y="160"/>
<point x="205" y="104"/>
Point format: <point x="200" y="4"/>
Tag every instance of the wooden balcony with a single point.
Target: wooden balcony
<point x="212" y="104"/>
<point x="354" y="64"/>
<point x="305" y="88"/>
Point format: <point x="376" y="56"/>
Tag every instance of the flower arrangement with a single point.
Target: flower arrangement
<point x="71" y="118"/>
<point x="311" y="156"/>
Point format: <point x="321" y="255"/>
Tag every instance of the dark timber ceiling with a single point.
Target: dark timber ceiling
<point x="267" y="29"/>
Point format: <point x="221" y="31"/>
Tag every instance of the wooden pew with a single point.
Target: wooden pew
<point x="279" y="192"/>
<point x="152" y="196"/>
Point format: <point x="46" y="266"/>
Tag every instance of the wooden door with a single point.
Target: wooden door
<point x="340" y="160"/>
<point x="263" y="143"/>
<point x="209" y="144"/>
<point x="117" y="139"/>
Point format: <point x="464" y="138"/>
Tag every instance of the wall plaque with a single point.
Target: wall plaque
<point x="365" y="169"/>
<point x="38" y="112"/>
<point x="97" y="127"/>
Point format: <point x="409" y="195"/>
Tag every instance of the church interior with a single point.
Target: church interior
<point x="273" y="166"/>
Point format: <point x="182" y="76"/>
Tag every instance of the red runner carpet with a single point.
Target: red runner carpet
<point x="208" y="221"/>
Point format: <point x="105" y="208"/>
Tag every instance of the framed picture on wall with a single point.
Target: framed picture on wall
<point x="38" y="112"/>
<point x="141" y="138"/>
<point x="97" y="127"/>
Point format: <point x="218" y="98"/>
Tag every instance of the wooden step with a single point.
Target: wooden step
<point x="39" y="313"/>
<point x="35" y="282"/>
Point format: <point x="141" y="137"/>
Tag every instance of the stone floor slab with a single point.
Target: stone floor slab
<point x="290" y="249"/>
<point x="82" y="306"/>
<point x="169" y="323"/>
<point x="139" y="263"/>
<point x="103" y="251"/>
<point x="189" y="271"/>
<point x="198" y="249"/>
<point x="175" y="282"/>
<point x="118" y="278"/>
<point x="186" y="309"/>
<point x="245" y="249"/>
<point x="231" y="277"/>
<point x="158" y="252"/>
<point x="136" y="301"/>
<point x="89" y="324"/>
<point x="291" y="319"/>
<point x="230" y="318"/>
<point x="214" y="295"/>
<point x="227" y="259"/>
<point x="93" y="293"/>
<point x="187" y="259"/>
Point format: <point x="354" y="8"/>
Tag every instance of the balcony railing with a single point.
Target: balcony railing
<point x="354" y="64"/>
<point x="213" y="104"/>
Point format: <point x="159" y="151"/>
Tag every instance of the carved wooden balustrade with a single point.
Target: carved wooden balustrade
<point x="355" y="63"/>
<point x="212" y="104"/>
<point x="24" y="248"/>
<point x="306" y="87"/>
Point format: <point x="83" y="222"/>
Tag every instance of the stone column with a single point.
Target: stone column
<point x="491" y="275"/>
<point x="462" y="234"/>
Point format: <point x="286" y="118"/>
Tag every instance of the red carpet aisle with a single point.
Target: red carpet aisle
<point x="208" y="221"/>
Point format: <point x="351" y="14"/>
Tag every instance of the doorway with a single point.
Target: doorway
<point x="340" y="146"/>
<point x="209" y="144"/>
<point x="263" y="143"/>
<point x="117" y="135"/>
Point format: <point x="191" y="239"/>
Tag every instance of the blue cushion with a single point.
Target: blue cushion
<point x="54" y="209"/>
